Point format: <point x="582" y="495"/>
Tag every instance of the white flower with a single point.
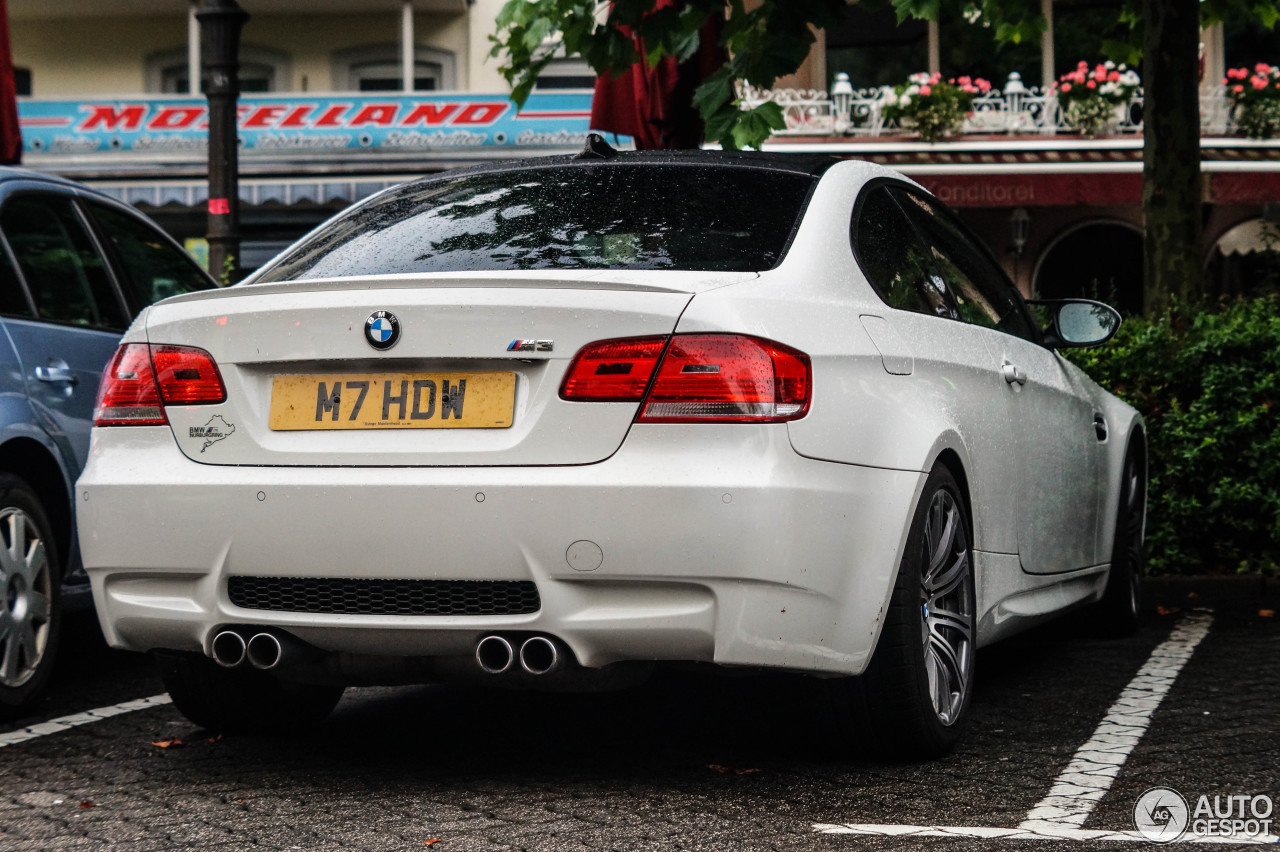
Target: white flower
<point x="1109" y="88"/>
<point x="912" y="91"/>
<point x="919" y="78"/>
<point x="1109" y="65"/>
<point x="1129" y="78"/>
<point x="904" y="101"/>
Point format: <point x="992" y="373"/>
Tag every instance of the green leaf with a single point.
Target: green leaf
<point x="756" y="125"/>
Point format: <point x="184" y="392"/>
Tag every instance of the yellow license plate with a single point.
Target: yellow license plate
<point x="393" y="401"/>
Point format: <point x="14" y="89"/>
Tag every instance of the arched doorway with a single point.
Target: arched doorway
<point x="1094" y="260"/>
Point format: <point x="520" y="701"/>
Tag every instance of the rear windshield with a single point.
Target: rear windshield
<point x="615" y="216"/>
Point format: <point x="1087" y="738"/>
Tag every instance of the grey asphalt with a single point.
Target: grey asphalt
<point x="692" y="761"/>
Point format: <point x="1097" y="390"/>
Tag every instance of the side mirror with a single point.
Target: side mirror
<point x="1078" y="323"/>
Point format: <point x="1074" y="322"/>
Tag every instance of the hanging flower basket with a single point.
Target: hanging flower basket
<point x="934" y="107"/>
<point x="1094" y="100"/>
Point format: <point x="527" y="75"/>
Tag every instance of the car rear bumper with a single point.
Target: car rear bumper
<point x="713" y="543"/>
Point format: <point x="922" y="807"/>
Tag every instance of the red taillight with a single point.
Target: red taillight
<point x="700" y="378"/>
<point x="728" y="379"/>
<point x="187" y="376"/>
<point x="140" y="378"/>
<point x="612" y="370"/>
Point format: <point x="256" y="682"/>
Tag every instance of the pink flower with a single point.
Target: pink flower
<point x="1113" y="77"/>
<point x="983" y="85"/>
<point x="1100" y="71"/>
<point x="1066" y="87"/>
<point x="1083" y="65"/>
<point x="1237" y="88"/>
<point x="926" y="90"/>
<point x="964" y="81"/>
<point x="1091" y="84"/>
<point x="1262" y="68"/>
<point x="1258" y="82"/>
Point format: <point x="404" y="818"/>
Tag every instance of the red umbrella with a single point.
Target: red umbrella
<point x="654" y="106"/>
<point x="10" y="135"/>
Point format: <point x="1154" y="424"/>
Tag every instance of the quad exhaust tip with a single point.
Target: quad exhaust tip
<point x="539" y="655"/>
<point x="264" y="651"/>
<point x="229" y="649"/>
<point x="494" y="654"/>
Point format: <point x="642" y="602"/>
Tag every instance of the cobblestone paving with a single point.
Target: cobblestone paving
<point x="690" y="762"/>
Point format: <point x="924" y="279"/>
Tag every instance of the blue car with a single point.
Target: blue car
<point x="75" y="268"/>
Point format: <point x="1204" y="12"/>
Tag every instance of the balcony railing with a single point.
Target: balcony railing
<point x="1018" y="109"/>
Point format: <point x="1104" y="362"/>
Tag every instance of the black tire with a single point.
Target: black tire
<point x="1116" y="615"/>
<point x="901" y="706"/>
<point x="243" y="700"/>
<point x="30" y="597"/>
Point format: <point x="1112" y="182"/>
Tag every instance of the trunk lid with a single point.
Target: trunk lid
<point x="452" y="328"/>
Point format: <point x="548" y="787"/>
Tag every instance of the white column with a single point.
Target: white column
<point x="193" y="50"/>
<point x="935" y="50"/>
<point x="1215" y="55"/>
<point x="406" y="45"/>
<point x="1046" y="45"/>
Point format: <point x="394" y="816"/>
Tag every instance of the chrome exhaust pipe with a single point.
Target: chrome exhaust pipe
<point x="228" y="649"/>
<point x="264" y="651"/>
<point x="540" y="655"/>
<point x="494" y="654"/>
<point x="267" y="650"/>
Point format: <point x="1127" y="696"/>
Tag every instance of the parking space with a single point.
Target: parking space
<point x="689" y="762"/>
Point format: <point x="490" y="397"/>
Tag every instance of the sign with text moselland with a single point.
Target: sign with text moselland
<point x="298" y="123"/>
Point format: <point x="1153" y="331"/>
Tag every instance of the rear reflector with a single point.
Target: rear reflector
<point x="141" y="378"/>
<point x="694" y="378"/>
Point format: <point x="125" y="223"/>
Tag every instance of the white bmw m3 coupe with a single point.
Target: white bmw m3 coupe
<point x="551" y="423"/>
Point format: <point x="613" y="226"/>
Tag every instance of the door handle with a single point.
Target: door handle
<point x="1012" y="374"/>
<point x="56" y="371"/>
<point x="1100" y="427"/>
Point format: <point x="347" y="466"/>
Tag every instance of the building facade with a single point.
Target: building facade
<point x="345" y="97"/>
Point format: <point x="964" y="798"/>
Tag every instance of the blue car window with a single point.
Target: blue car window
<point x="151" y="268"/>
<point x="65" y="274"/>
<point x="13" y="301"/>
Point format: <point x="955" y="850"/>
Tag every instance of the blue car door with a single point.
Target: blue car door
<point x="79" y="315"/>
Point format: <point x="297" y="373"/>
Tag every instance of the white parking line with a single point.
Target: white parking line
<point x="54" y="726"/>
<point x="1093" y="769"/>
<point x="1096" y="764"/>
<point x="968" y="831"/>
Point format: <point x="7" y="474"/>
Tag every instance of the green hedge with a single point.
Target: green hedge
<point x="1209" y="385"/>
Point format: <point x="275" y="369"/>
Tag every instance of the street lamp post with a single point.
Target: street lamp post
<point x="220" y="23"/>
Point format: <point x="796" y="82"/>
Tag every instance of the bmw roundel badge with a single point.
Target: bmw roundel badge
<point x="382" y="329"/>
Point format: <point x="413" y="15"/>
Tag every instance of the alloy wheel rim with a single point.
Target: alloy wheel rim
<point x="26" y="602"/>
<point x="947" y="607"/>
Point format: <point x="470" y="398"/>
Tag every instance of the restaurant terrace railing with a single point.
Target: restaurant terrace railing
<point x="1016" y="110"/>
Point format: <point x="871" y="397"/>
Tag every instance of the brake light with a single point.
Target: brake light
<point x="612" y="370"/>
<point x="187" y="376"/>
<point x="728" y="379"/>
<point x="141" y="378"/>
<point x="694" y="378"/>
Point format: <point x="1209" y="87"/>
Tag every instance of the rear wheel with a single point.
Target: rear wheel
<point x="30" y="586"/>
<point x="913" y="699"/>
<point x="1117" y="612"/>
<point x="243" y="700"/>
